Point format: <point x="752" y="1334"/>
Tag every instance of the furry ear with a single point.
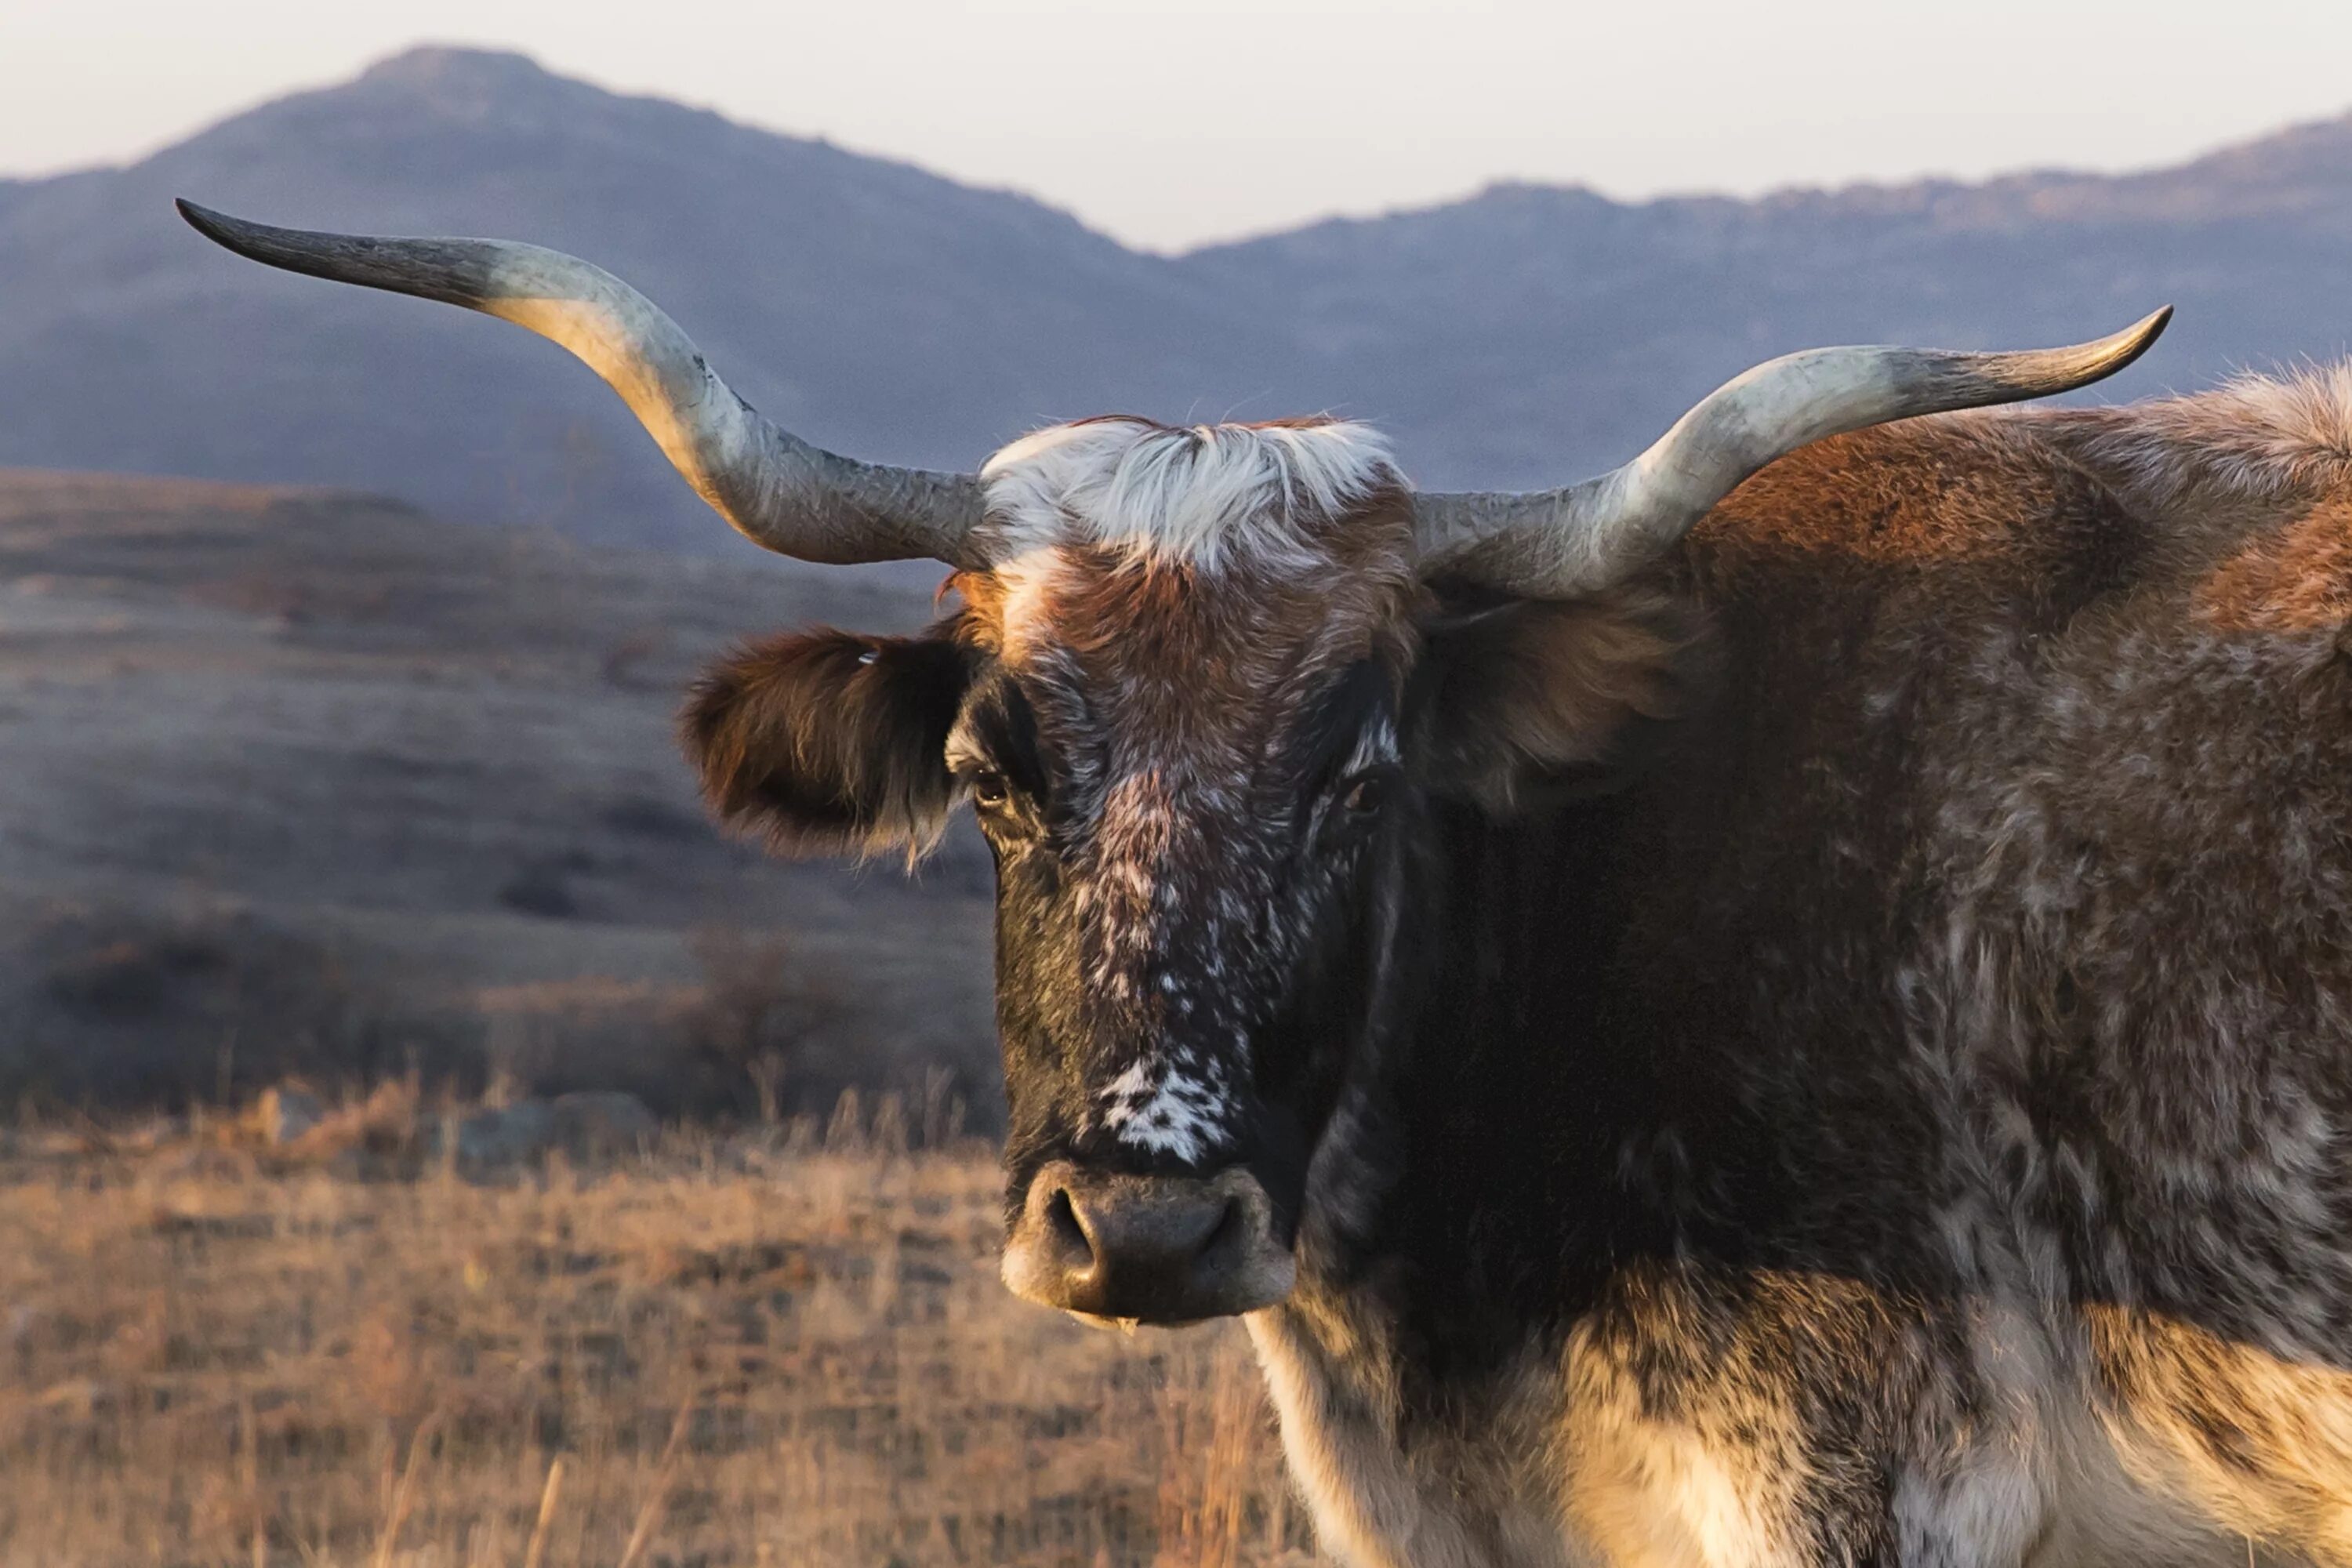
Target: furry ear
<point x="827" y="741"/>
<point x="1524" y="700"/>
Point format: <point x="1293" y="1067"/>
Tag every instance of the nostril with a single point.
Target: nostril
<point x="1071" y="1246"/>
<point x="1222" y="1237"/>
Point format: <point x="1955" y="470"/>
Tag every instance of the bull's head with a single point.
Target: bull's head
<point x="1201" y="685"/>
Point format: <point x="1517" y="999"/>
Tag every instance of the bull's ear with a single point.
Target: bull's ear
<point x="827" y="741"/>
<point x="1522" y="701"/>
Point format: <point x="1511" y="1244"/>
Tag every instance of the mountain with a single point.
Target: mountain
<point x="1523" y="336"/>
<point x="866" y="304"/>
<point x="1497" y="334"/>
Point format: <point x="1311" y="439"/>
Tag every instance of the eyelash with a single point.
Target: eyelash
<point x="1361" y="798"/>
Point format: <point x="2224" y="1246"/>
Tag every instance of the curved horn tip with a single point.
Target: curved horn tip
<point x="218" y="228"/>
<point x="2139" y="337"/>
<point x="250" y="240"/>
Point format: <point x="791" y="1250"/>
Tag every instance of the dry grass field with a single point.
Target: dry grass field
<point x="778" y="1347"/>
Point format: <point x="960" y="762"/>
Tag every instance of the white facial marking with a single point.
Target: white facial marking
<point x="1158" y="1107"/>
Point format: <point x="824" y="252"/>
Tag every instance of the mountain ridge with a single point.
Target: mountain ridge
<point x="1518" y="335"/>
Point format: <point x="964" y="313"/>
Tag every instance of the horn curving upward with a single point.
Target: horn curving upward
<point x="777" y="491"/>
<point x="1560" y="543"/>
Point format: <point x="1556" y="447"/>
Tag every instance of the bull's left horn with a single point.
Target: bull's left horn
<point x="776" y="490"/>
<point x="1550" y="544"/>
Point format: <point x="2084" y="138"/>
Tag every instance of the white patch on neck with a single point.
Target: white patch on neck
<point x="1204" y="494"/>
<point x="1156" y="1107"/>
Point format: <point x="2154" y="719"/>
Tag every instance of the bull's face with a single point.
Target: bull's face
<point x="1202" y="684"/>
<point x="1197" y="711"/>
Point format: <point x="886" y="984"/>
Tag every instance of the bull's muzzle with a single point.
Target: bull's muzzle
<point x="1158" y="1249"/>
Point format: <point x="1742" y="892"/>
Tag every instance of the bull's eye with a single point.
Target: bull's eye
<point x="989" y="789"/>
<point x="1366" y="795"/>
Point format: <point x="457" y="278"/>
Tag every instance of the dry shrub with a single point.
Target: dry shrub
<point x="551" y="1037"/>
<point x="1213" y="1412"/>
<point x="383" y="1124"/>
<point x="131" y="1006"/>
<point x="762" y="1015"/>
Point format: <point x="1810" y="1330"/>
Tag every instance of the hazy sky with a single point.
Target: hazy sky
<point x="1167" y="125"/>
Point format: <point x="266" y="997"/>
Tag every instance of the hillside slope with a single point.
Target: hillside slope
<point x="306" y="780"/>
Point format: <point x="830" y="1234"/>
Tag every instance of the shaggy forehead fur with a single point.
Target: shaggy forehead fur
<point x="1184" y="589"/>
<point x="1171" y="603"/>
<point x="1205" y="495"/>
<point x="1186" y="575"/>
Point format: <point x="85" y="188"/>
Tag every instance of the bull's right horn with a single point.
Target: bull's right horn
<point x="1557" y="545"/>
<point x="776" y="488"/>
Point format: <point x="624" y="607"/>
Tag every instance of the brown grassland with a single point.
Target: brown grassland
<point x="770" y="1347"/>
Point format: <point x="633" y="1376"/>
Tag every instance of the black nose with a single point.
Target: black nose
<point x="1166" y="1249"/>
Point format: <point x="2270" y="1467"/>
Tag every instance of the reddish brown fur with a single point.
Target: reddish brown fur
<point x="2296" y="579"/>
<point x="1200" y="654"/>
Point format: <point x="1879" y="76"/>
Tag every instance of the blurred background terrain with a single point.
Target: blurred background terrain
<point x="301" y="783"/>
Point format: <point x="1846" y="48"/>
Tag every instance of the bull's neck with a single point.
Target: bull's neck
<point x="1484" y="1172"/>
